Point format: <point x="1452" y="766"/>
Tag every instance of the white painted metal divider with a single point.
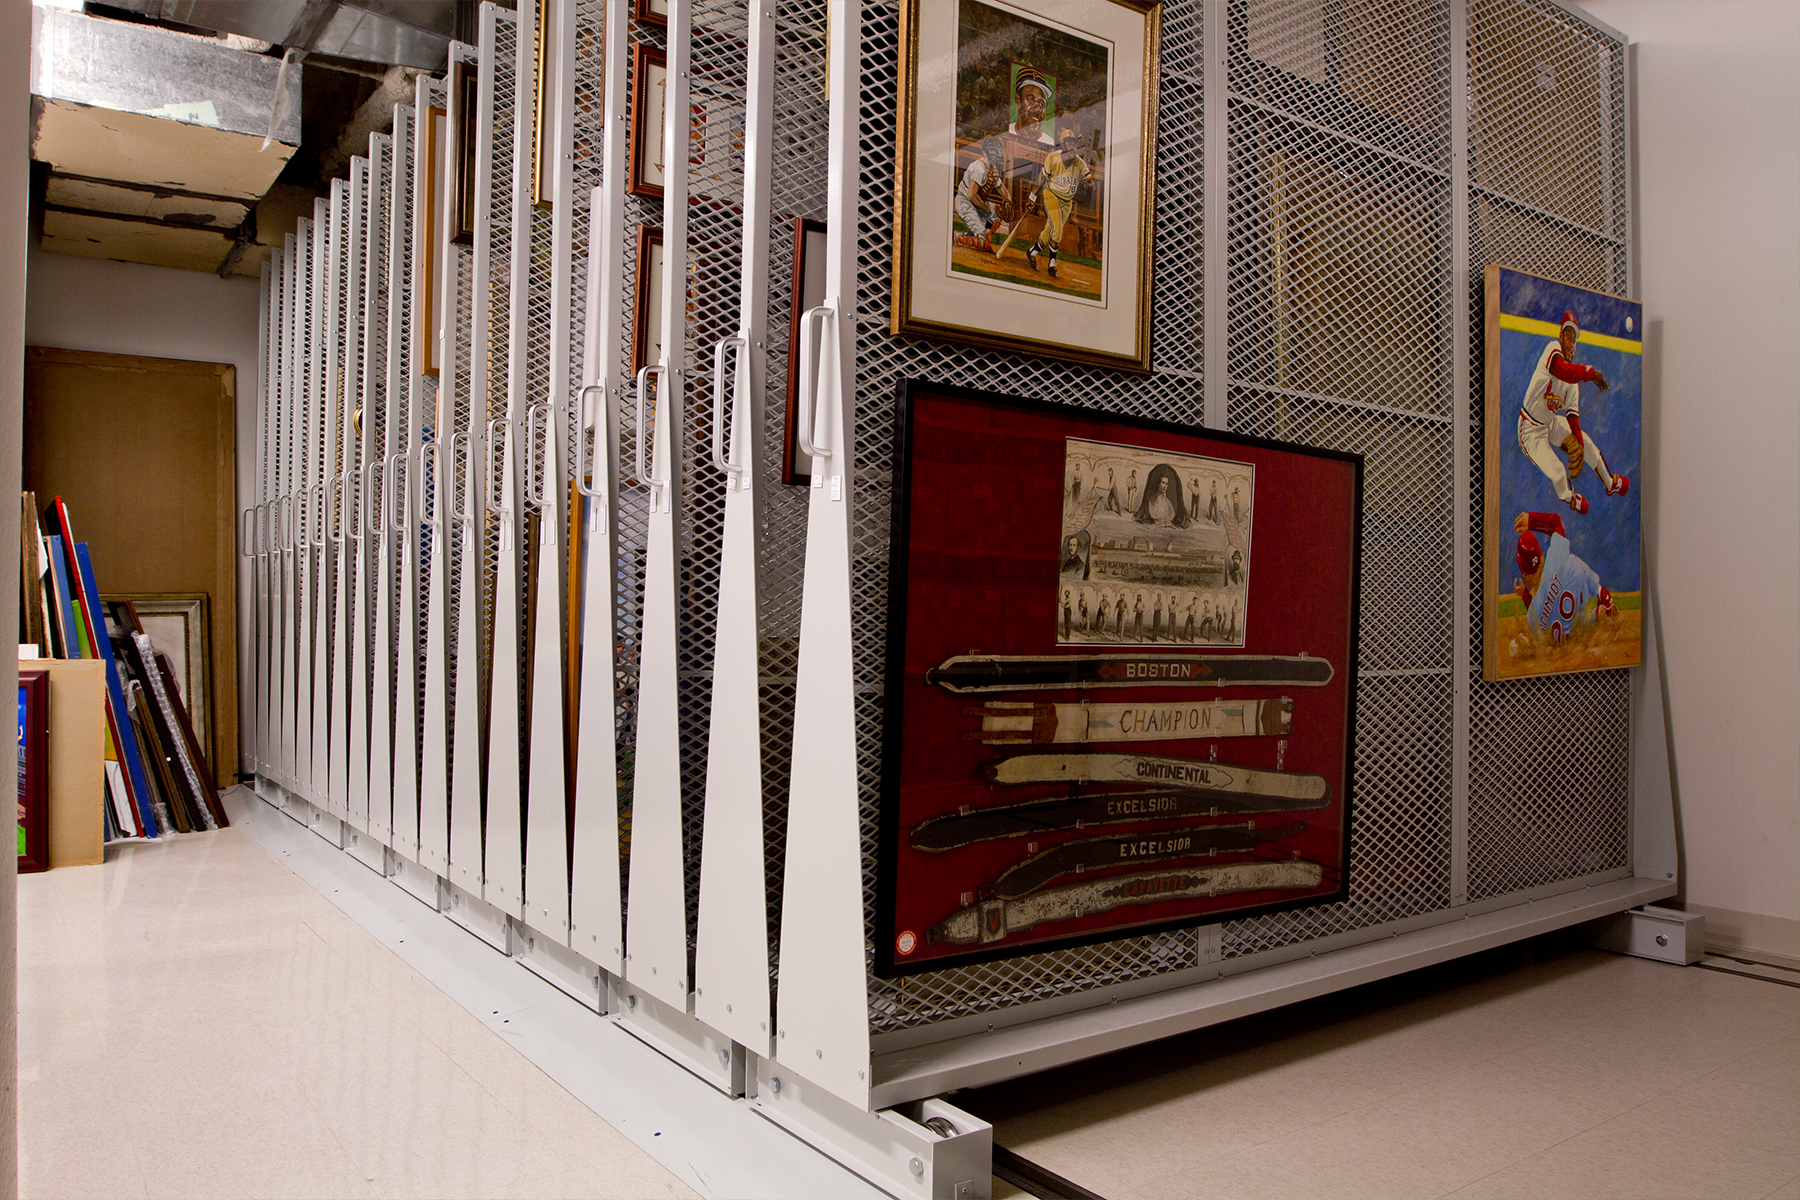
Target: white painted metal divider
<point x="546" y="806"/>
<point x="731" y="971"/>
<point x="297" y="648"/>
<point x="414" y="502"/>
<point x="596" y="912"/>
<point x="445" y="590"/>
<point x="394" y="164"/>
<point x="656" y="921"/>
<point x="497" y="270"/>
<point x="508" y="190"/>
<point x="364" y="433"/>
<point x="325" y="258"/>
<point x="407" y="383"/>
<point x="252" y="541"/>
<point x="821" y="1007"/>
<point x="347" y="279"/>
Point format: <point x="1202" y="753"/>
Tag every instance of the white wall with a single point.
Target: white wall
<point x="129" y="308"/>
<point x="1718" y="211"/>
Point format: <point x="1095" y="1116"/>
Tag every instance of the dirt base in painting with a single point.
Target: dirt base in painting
<point x="1074" y="277"/>
<point x="1611" y="642"/>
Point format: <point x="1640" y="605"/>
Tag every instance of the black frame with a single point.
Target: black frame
<point x="791" y="471"/>
<point x="886" y="966"/>
<point x="464" y="125"/>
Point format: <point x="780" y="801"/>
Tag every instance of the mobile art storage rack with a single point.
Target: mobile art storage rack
<point x="476" y="691"/>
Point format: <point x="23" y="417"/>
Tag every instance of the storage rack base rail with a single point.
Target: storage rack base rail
<point x="440" y="422"/>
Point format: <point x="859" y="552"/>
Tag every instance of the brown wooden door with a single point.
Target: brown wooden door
<point x="143" y="451"/>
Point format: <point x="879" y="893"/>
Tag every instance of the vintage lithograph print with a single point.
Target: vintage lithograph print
<point x="1026" y="176"/>
<point x="1031" y="147"/>
<point x="1155" y="547"/>
<point x="1564" y="435"/>
<point x="1101" y="720"/>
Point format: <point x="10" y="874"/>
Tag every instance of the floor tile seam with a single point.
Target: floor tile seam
<point x="1778" y="1187"/>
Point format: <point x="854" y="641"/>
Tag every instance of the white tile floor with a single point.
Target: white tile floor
<point x="198" y="1020"/>
<point x="1543" y="1070"/>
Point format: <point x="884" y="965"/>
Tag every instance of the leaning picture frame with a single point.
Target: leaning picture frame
<point x="179" y="625"/>
<point x="1106" y="716"/>
<point x="34" y="769"/>
<point x="1025" y="177"/>
<point x="646" y="321"/>
<point x="651" y="12"/>
<point x="465" y="126"/>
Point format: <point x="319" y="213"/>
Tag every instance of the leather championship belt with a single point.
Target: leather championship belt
<point x="991" y="920"/>
<point x="999" y="673"/>
<point x="1302" y="789"/>
<point x="1016" y="721"/>
<point x="934" y="835"/>
<point x="1097" y="854"/>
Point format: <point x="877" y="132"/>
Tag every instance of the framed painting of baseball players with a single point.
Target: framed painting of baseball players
<point x="1564" y="573"/>
<point x="1101" y="719"/>
<point x="1025" y="176"/>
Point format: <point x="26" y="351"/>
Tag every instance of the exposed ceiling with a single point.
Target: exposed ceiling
<point x="192" y="133"/>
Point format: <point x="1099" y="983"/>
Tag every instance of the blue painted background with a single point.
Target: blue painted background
<point x="1607" y="538"/>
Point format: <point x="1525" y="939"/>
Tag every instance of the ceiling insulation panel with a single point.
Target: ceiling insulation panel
<point x="79" y="139"/>
<point x="133" y="200"/>
<point x="95" y="236"/>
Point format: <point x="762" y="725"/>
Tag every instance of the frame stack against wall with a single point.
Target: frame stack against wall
<point x="541" y="636"/>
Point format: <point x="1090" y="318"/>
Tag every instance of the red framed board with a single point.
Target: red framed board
<point x="1121" y="678"/>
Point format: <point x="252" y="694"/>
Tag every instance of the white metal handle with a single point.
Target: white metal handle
<point x="315" y="515"/>
<point x="586" y="443"/>
<point x="458" y="512"/>
<point x="359" y="509"/>
<point x="428" y="479"/>
<point x="394" y="467"/>
<point x="536" y="461"/>
<point x="643" y="472"/>
<point x="804" y="414"/>
<point x="720" y="448"/>
<point x="285" y="523"/>
<point x="492" y="479"/>
<point x="248" y="527"/>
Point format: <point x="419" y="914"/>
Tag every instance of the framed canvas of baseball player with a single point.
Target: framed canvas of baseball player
<point x="1115" y="704"/>
<point x="1564" y="575"/>
<point x="1025" y="176"/>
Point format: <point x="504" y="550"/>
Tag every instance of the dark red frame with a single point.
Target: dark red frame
<point x="924" y="773"/>
<point x="642" y="57"/>
<point x="34" y="770"/>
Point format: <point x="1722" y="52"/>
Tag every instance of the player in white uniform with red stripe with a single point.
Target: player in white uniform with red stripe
<point x="1550" y="417"/>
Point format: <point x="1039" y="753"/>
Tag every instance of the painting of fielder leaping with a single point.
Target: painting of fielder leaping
<point x="1155" y="547"/>
<point x="1564" y="405"/>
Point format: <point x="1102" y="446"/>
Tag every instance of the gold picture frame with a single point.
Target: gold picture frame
<point x="1021" y="167"/>
<point x="541" y="183"/>
<point x="434" y="134"/>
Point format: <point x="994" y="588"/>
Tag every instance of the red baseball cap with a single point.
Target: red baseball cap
<point x="1568" y="322"/>
<point x="1530" y="553"/>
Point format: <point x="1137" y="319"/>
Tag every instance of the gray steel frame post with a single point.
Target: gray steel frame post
<point x="1461" y="430"/>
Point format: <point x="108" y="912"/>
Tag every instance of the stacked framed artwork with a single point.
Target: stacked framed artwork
<point x="1120" y="689"/>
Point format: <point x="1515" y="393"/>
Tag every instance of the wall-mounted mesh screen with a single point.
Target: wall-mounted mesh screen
<point x="1549" y="758"/>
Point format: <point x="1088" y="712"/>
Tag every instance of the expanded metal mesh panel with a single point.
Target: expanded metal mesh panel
<point x="715" y="185"/>
<point x="425" y="391"/>
<point x="530" y="384"/>
<point x="461" y="550"/>
<point x="1172" y="392"/>
<point x="370" y="571"/>
<point x="798" y="185"/>
<point x="1341" y="271"/>
<point x="1549" y="757"/>
<point x="494" y="218"/>
<point x="400" y="415"/>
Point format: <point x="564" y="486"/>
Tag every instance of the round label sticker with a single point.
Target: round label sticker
<point x="906" y="942"/>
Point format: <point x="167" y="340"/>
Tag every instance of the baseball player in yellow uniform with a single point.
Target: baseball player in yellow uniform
<point x="1059" y="183"/>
